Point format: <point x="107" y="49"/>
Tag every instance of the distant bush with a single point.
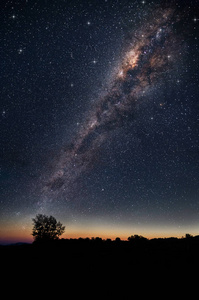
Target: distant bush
<point x="136" y="238"/>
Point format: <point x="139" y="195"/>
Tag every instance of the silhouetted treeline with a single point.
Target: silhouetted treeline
<point x="95" y="254"/>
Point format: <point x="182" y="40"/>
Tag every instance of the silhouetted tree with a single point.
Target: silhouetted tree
<point x="117" y="239"/>
<point x="136" y="237"/>
<point x="188" y="236"/>
<point x="46" y="228"/>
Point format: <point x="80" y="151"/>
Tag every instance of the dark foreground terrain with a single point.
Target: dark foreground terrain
<point x="97" y="255"/>
<point x="98" y="269"/>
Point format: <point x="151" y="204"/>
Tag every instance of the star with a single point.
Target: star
<point x="88" y="23"/>
<point x="20" y="50"/>
<point x="94" y="61"/>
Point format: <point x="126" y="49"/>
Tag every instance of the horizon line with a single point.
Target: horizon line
<point x="14" y="241"/>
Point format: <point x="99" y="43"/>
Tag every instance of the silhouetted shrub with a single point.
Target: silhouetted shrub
<point x="46" y="228"/>
<point x="136" y="238"/>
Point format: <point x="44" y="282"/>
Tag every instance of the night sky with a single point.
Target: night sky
<point x="99" y="117"/>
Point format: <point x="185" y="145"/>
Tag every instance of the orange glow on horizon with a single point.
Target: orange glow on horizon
<point x="13" y="233"/>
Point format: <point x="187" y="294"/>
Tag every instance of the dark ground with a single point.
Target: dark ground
<point x="93" y="255"/>
<point x="102" y="269"/>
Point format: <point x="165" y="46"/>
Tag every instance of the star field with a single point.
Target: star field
<point x="99" y="117"/>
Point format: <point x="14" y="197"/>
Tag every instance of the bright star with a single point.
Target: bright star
<point x="20" y="51"/>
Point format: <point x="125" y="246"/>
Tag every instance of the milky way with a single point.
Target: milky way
<point x="149" y="53"/>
